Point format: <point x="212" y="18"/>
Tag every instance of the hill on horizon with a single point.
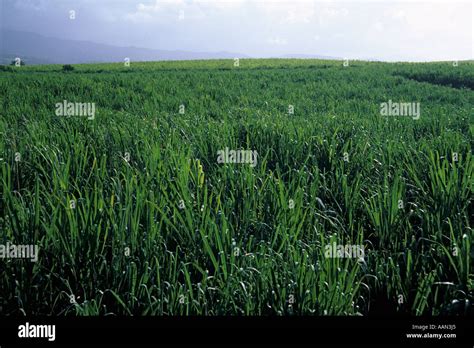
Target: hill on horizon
<point x="36" y="49"/>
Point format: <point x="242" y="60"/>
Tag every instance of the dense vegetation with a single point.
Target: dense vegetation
<point x="134" y="215"/>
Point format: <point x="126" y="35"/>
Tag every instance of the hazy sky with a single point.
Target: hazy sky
<point x="388" y="30"/>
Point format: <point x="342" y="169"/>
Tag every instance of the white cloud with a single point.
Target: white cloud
<point x="287" y="12"/>
<point x="163" y="9"/>
<point x="180" y="9"/>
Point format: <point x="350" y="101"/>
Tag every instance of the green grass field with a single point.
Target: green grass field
<point x="133" y="214"/>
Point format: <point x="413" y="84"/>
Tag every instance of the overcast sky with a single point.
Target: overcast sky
<point x="387" y="30"/>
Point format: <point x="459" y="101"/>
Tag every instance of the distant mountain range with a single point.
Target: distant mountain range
<point x="37" y="49"/>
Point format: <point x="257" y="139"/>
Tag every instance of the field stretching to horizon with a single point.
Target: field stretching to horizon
<point x="267" y="187"/>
